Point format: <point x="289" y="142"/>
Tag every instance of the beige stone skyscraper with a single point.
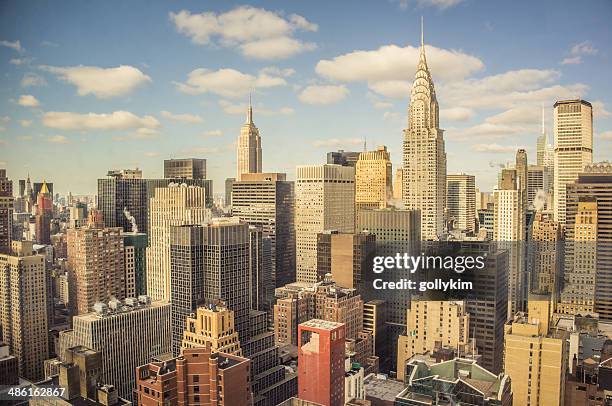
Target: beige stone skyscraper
<point x="573" y="148"/>
<point x="461" y="201"/>
<point x="373" y="179"/>
<point x="324" y="200"/>
<point x="249" y="147"/>
<point x="96" y="267"/>
<point x="214" y="326"/>
<point x="23" y="298"/>
<point x="170" y="206"/>
<point x="424" y="157"/>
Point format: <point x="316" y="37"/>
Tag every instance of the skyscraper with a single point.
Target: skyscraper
<point x="324" y="200"/>
<point x="343" y="158"/>
<point x="135" y="246"/>
<point x="461" y="201"/>
<point x="373" y="179"/>
<point x="127" y="334"/>
<point x="266" y="200"/>
<point x="212" y="326"/>
<point x="185" y="168"/>
<point x="321" y="362"/>
<point x="44" y="215"/>
<point x="23" y="299"/>
<point x="6" y="212"/>
<point x="96" y="267"/>
<point x="170" y="206"/>
<point x="424" y="158"/>
<point x="249" y="147"/>
<point x="573" y="148"/>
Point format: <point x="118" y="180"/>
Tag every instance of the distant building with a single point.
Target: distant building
<point x="461" y="201"/>
<point x="343" y="158"/>
<point x="248" y="147"/>
<point x="9" y="366"/>
<point x="212" y="326"/>
<point x="135" y="248"/>
<point x="373" y="179"/>
<point x="6" y="212"/>
<point x="185" y="168"/>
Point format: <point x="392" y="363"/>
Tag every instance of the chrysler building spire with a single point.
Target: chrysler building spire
<point x="424" y="178"/>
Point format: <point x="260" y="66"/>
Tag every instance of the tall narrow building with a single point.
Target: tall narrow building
<point x="249" y="147"/>
<point x="6" y="211"/>
<point x="573" y="148"/>
<point x="373" y="179"/>
<point x="461" y="201"/>
<point x="424" y="161"/>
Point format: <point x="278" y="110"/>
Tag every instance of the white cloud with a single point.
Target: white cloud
<point x="494" y="148"/>
<point x="606" y="135"/>
<point x="258" y="33"/>
<point x="599" y="109"/>
<point x="394" y="63"/>
<point x="323" y="94"/>
<point x="584" y="48"/>
<point x="574" y="60"/>
<point x="117" y="120"/>
<point x="241" y="109"/>
<point x="518" y="115"/>
<point x="151" y="154"/>
<point x="457" y="114"/>
<point x="5" y="119"/>
<point x="213" y="133"/>
<point x="20" y="61"/>
<point x="32" y="79"/>
<point x="440" y="4"/>
<point x="25" y="123"/>
<point x="16" y="45"/>
<point x="145" y="133"/>
<point x="228" y="82"/>
<point x="186" y="118"/>
<point x="202" y="150"/>
<point x="103" y="83"/>
<point x="27" y="100"/>
<point x="57" y="139"/>
<point x="337" y="142"/>
<point x="392" y="116"/>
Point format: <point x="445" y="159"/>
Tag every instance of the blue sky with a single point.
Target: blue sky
<point x="86" y="87"/>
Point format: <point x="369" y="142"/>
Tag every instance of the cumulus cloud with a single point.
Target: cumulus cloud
<point x="606" y="135"/>
<point x="579" y="50"/>
<point x="151" y="154"/>
<point x="256" y="32"/>
<point x="57" y="139"/>
<point x="457" y="114"/>
<point x="213" y="133"/>
<point x="145" y="133"/>
<point x="103" y="83"/>
<point x="229" y="82"/>
<point x="32" y="79"/>
<point x="16" y="45"/>
<point x="25" y="123"/>
<point x="494" y="148"/>
<point x="117" y="120"/>
<point x="186" y="118"/>
<point x="20" y="61"/>
<point x="27" y="100"/>
<point x="573" y="60"/>
<point x="241" y="109"/>
<point x="337" y="142"/>
<point x="599" y="110"/>
<point x="439" y="4"/>
<point x="323" y="94"/>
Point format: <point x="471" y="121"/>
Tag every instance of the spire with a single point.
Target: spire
<point x="44" y="189"/>
<point x="422" y="41"/>
<point x="543" y="128"/>
<point x="250" y="111"/>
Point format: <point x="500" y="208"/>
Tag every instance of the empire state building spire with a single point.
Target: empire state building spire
<point x="249" y="146"/>
<point x="424" y="178"/>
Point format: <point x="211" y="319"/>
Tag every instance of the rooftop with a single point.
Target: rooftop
<point x="322" y="324"/>
<point x="380" y="387"/>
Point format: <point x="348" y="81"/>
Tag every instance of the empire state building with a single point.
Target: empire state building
<point x="424" y="177"/>
<point x="249" y="147"/>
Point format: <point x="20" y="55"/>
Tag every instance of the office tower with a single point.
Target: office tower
<point x="456" y="381"/>
<point x="483" y="199"/>
<point x="573" y="148"/>
<point x="488" y="307"/>
<point x="397" y="185"/>
<point x="6" y="212"/>
<point x="170" y="206"/>
<point x="23" y="298"/>
<point x="228" y="191"/>
<point x="535" y="356"/>
<point x="187" y="276"/>
<point x="77" y="215"/>
<point x="266" y="200"/>
<point x="127" y="334"/>
<point x="44" y="215"/>
<point x="135" y="248"/>
<point x="124" y="197"/>
<point x="185" y="168"/>
<point x="343" y="158"/>
<point x="521" y="168"/>
<point x="324" y="200"/>
<point x="486" y="220"/>
<point x="461" y="201"/>
<point x="321" y="362"/>
<point x="373" y="179"/>
<point x="589" y="236"/>
<point x="249" y="147"/>
<point x="535" y="184"/>
<point x="541" y="144"/>
<point x="544" y="267"/>
<point x="424" y="158"/>
<point x="433" y="324"/>
<point x="213" y="326"/>
<point x="96" y="267"/>
<point x="390" y="225"/>
<point x="9" y="366"/>
<point x="198" y="377"/>
<point x="261" y="285"/>
<point x="36" y="187"/>
<point x="375" y="322"/>
<point x="346" y="256"/>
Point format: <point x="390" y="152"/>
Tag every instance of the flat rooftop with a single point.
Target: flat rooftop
<point x="321" y="324"/>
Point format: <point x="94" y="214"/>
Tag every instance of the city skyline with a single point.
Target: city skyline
<point x="182" y="89"/>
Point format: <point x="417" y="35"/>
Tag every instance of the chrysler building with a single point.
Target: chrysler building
<point x="424" y="178"/>
<point x="249" y="147"/>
